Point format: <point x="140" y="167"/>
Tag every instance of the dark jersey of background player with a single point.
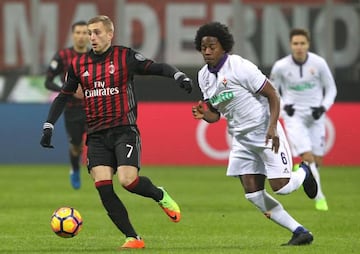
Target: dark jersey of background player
<point x="106" y="75"/>
<point x="74" y="113"/>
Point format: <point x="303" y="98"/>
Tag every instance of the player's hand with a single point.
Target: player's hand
<point x="317" y="112"/>
<point x="46" y="136"/>
<point x="289" y="109"/>
<point x="79" y="94"/>
<point x="273" y="135"/>
<point x="184" y="82"/>
<point x="198" y="110"/>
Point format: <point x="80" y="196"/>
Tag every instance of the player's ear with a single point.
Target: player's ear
<point x="110" y="35"/>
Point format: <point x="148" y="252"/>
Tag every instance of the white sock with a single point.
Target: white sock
<point x="315" y="172"/>
<point x="272" y="209"/>
<point x="283" y="218"/>
<point x="294" y="183"/>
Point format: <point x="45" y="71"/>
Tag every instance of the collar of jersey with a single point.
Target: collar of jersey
<point x="298" y="62"/>
<point x="216" y="68"/>
<point x="97" y="57"/>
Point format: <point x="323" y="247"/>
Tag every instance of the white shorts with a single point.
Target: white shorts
<point x="304" y="133"/>
<point x="250" y="155"/>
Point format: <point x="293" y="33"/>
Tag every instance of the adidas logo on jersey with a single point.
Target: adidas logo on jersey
<point x="86" y="74"/>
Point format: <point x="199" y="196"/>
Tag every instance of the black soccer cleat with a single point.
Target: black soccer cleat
<point x="302" y="238"/>
<point x="309" y="184"/>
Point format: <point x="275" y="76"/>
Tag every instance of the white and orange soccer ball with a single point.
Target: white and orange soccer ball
<point x="66" y="222"/>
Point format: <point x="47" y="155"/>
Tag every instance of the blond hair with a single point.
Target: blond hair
<point x="103" y="19"/>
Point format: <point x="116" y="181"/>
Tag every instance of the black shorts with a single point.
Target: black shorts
<point x="75" y="124"/>
<point x="114" y="147"/>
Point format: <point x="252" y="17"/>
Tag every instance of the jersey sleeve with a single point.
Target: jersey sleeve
<point x="71" y="81"/>
<point x="138" y="62"/>
<point x="250" y="76"/>
<point x="54" y="69"/>
<point x="275" y="76"/>
<point x="201" y="81"/>
<point x="277" y="81"/>
<point x="329" y="85"/>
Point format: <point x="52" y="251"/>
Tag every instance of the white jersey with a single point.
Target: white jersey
<point x="233" y="91"/>
<point x="306" y="85"/>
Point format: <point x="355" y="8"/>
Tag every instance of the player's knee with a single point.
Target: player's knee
<point x="76" y="150"/>
<point x="128" y="178"/>
<point x="277" y="185"/>
<point x="308" y="156"/>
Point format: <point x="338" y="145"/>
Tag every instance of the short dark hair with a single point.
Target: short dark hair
<point x="218" y="30"/>
<point x="78" y="23"/>
<point x="299" y="31"/>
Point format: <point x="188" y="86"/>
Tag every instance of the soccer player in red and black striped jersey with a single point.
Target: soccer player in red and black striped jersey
<point x="74" y="113"/>
<point x="106" y="75"/>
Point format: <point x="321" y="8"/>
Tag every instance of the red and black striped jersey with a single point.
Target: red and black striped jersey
<point x="58" y="66"/>
<point x="107" y="81"/>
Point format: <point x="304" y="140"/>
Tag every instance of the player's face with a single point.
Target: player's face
<point x="211" y="50"/>
<point x="299" y="47"/>
<point x="80" y="37"/>
<point x="100" y="37"/>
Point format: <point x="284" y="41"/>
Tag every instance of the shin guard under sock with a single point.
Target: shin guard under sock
<point x="115" y="208"/>
<point x="144" y="187"/>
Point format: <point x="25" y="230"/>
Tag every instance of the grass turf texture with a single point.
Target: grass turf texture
<point x="216" y="218"/>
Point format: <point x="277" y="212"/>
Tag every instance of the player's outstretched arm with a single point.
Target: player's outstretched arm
<point x="167" y="70"/>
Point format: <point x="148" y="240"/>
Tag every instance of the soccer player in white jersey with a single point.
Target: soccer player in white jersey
<point x="307" y="90"/>
<point x="236" y="89"/>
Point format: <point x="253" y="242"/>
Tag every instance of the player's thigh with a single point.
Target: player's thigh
<point x="101" y="173"/>
<point x="317" y="133"/>
<point x="75" y="131"/>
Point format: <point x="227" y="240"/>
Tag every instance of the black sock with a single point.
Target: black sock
<point x="75" y="161"/>
<point x="115" y="208"/>
<point x="144" y="187"/>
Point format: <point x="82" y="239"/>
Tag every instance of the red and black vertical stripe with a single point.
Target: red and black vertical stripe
<point x="108" y="72"/>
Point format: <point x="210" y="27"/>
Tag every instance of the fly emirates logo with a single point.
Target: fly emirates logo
<point x="101" y="90"/>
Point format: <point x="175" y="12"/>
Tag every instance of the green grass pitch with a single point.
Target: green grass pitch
<point x="216" y="218"/>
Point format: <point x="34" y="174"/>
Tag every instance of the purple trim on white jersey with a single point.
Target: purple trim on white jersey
<point x="262" y="86"/>
<point x="221" y="62"/>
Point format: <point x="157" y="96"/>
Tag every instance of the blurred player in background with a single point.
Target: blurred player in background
<point x="307" y="90"/>
<point x="235" y="88"/>
<point x="106" y="75"/>
<point x="74" y="113"/>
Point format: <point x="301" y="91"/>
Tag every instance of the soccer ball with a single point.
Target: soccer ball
<point x="66" y="222"/>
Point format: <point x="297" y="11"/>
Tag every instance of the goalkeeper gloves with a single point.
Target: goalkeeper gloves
<point x="289" y="109"/>
<point x="46" y="136"/>
<point x="317" y="112"/>
<point x="183" y="81"/>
